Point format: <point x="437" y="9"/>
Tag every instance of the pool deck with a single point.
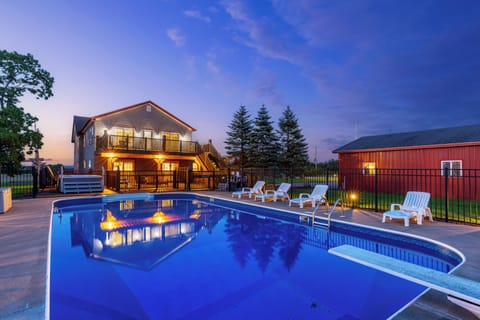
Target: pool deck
<point x="24" y="243"/>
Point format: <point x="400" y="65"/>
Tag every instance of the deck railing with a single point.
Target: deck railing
<point x="136" y="144"/>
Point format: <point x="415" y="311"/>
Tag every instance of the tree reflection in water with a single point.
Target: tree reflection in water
<point x="251" y="237"/>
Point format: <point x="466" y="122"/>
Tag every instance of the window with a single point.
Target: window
<point x="147" y="134"/>
<point x="123" y="165"/>
<point x="169" y="166"/>
<point x="454" y="167"/>
<point x="123" y="137"/>
<point x="368" y="168"/>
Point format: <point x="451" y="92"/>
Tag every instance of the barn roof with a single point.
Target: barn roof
<point x="454" y="135"/>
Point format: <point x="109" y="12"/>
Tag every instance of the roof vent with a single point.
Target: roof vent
<point x="149" y="108"/>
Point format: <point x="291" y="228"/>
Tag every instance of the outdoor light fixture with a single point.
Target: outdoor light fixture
<point x="109" y="223"/>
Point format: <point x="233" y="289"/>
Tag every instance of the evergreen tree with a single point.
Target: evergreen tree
<point x="238" y="141"/>
<point x="294" y="151"/>
<point x="265" y="147"/>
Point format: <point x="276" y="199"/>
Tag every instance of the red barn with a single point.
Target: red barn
<point x="432" y="160"/>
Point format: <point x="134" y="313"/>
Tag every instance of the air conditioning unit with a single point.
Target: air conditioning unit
<point x="5" y="199"/>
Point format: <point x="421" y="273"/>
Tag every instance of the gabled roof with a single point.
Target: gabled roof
<point x="141" y="104"/>
<point x="454" y="135"/>
<point x="78" y="124"/>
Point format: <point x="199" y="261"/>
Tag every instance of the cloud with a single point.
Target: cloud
<point x="377" y="67"/>
<point x="176" y="36"/>
<point x="260" y="33"/>
<point x="389" y="68"/>
<point x="265" y="90"/>
<point x="196" y="15"/>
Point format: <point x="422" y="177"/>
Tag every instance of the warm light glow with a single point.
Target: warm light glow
<point x="110" y="155"/>
<point x="353" y="196"/>
<point x="109" y="223"/>
<point x="159" y="217"/>
<point x="159" y="156"/>
<point x="195" y="215"/>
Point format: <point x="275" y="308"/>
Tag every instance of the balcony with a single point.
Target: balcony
<point x="145" y="145"/>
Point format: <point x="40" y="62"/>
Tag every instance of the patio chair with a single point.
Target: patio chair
<point x="256" y="189"/>
<point x="414" y="205"/>
<point x="318" y="194"/>
<point x="281" y="192"/>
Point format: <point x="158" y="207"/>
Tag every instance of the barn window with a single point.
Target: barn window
<point x="454" y="167"/>
<point x="368" y="168"/>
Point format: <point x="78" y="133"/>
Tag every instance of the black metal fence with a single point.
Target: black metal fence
<point x="455" y="196"/>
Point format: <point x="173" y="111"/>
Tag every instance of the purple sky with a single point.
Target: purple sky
<point x="346" y="68"/>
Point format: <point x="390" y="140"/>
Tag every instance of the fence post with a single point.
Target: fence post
<point x="117" y="181"/>
<point x="174" y="183"/>
<point x="35" y="181"/>
<point x="446" y="173"/>
<point x="376" y="189"/>
<point x="187" y="178"/>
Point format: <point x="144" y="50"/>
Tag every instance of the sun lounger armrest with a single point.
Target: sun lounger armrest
<point x="304" y="195"/>
<point x="246" y="189"/>
<point x="395" y="206"/>
<point x="270" y="192"/>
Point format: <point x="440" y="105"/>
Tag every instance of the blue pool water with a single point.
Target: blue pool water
<point x="178" y="256"/>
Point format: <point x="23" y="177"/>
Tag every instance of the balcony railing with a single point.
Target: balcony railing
<point x="139" y="144"/>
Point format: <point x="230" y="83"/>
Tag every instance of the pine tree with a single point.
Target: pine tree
<point x="238" y="141"/>
<point x="294" y="152"/>
<point x="265" y="145"/>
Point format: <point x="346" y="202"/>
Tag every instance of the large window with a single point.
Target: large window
<point x="124" y="165"/>
<point x="171" y="141"/>
<point x="368" y="168"/>
<point x="123" y="137"/>
<point x="454" y="167"/>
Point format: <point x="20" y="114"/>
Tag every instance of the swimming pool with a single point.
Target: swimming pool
<point x="186" y="256"/>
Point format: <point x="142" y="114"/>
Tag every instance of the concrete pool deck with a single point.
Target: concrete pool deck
<point x="24" y="245"/>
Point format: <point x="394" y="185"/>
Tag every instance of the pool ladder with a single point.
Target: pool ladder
<point x="338" y="202"/>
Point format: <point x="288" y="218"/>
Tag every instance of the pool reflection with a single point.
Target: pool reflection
<point x="140" y="234"/>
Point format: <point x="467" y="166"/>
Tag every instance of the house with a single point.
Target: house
<point x="141" y="137"/>
<point x="395" y="160"/>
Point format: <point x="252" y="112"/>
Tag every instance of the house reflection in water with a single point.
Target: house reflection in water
<point x="142" y="233"/>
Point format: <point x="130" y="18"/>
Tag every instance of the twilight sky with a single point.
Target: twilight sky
<point x="346" y="68"/>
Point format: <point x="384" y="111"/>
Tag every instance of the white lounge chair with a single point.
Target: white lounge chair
<point x="256" y="189"/>
<point x="414" y="205"/>
<point x="281" y="192"/>
<point x="318" y="194"/>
